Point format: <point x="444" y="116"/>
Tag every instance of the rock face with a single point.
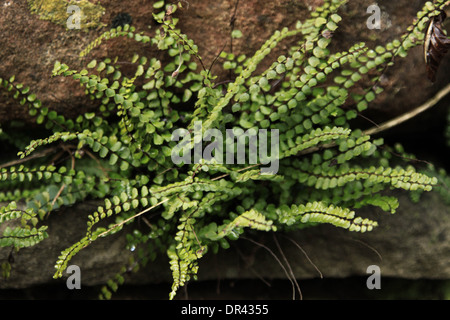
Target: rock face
<point x="31" y="46"/>
<point x="413" y="243"/>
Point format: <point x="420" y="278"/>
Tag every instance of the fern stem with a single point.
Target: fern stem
<point x="132" y="217"/>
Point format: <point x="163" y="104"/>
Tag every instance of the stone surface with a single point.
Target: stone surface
<point x="31" y="46"/>
<point x="412" y="244"/>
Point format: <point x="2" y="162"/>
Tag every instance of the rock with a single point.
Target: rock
<point x="31" y="46"/>
<point x="35" y="265"/>
<point x="413" y="243"/>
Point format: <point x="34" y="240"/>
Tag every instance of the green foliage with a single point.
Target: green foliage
<point x="121" y="153"/>
<point x="25" y="235"/>
<point x="442" y="188"/>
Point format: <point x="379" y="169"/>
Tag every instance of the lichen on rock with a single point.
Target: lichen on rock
<point x="56" y="12"/>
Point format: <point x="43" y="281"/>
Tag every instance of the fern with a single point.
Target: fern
<point x="27" y="234"/>
<point x="121" y="153"/>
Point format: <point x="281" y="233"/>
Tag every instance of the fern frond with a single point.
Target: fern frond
<point x="51" y="118"/>
<point x="386" y="203"/>
<point x="125" y="31"/>
<point x="407" y="179"/>
<point x="315" y="137"/>
<point x="317" y="212"/>
<point x="67" y="254"/>
<point x="34" y="144"/>
<point x="20" y="237"/>
<point x="183" y="265"/>
<point x="249" y="219"/>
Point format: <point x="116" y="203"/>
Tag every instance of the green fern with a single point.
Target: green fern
<point x="121" y="153"/>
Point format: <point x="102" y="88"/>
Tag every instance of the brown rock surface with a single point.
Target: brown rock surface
<point x="30" y="47"/>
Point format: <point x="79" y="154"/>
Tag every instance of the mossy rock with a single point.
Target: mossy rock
<point x="59" y="12"/>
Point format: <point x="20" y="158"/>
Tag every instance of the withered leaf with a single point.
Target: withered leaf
<point x="436" y="45"/>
